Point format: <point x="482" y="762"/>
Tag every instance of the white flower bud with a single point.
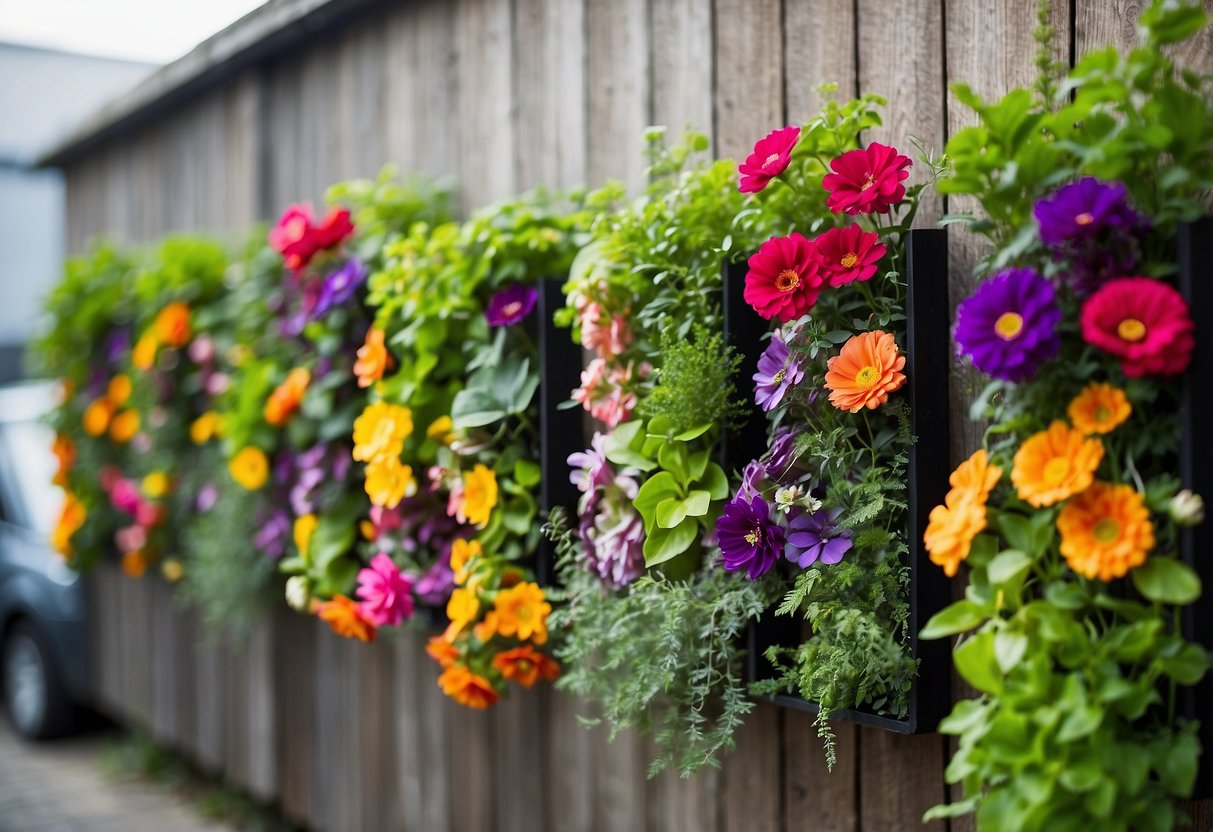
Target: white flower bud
<point x="1187" y="508"/>
<point x="297" y="593"/>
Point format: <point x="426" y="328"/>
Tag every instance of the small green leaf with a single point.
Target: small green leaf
<point x="974" y="660"/>
<point x="693" y="432"/>
<point x="1009" y="649"/>
<point x="955" y="618"/>
<point x="1007" y="565"/>
<point x="1167" y="581"/>
<point x="527" y="473"/>
<point x="664" y="544"/>
<point x="671" y="512"/>
<point x="714" y="482"/>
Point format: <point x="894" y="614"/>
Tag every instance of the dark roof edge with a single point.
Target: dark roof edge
<point x="260" y="35"/>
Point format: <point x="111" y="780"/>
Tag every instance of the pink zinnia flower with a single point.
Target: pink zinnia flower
<point x="770" y="158"/>
<point x="386" y="593"/>
<point x="1142" y="321"/>
<point x="867" y="180"/>
<point x="609" y="337"/>
<point x="784" y="278"/>
<point x="131" y="538"/>
<point x="849" y="254"/>
<point x="292" y="236"/>
<point x="124" y="496"/>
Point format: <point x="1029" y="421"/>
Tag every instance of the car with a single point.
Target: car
<point x="43" y="660"/>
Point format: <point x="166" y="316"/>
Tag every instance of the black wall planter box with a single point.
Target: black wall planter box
<point x="928" y="364"/>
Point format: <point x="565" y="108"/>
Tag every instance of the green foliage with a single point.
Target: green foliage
<point x="694" y="382"/>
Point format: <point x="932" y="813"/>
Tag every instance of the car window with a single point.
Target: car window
<point x="27" y="467"/>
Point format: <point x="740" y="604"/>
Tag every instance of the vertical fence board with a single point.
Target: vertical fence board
<point x="484" y="45"/>
<point x="570" y="790"/>
<point x="472" y="767"/>
<point x="619" y="90"/>
<point x="900" y="777"/>
<point x="620" y="785"/>
<point x="818" y="48"/>
<point x="751" y="796"/>
<point x="814" y="797"/>
<point x="295" y="666"/>
<point x="749" y="73"/>
<point x="682" y="65"/>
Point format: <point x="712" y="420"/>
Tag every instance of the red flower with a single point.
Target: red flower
<point x="784" y="278"/>
<point x="335" y="228"/>
<point x="298" y="239"/>
<point x="867" y="180"/>
<point x="1142" y="321"/>
<point x="849" y="254"/>
<point x="769" y="159"/>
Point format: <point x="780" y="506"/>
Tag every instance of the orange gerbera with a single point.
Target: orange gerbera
<point x="479" y="496"/>
<point x="467" y="688"/>
<point x="442" y="651"/>
<point x="119" y="389"/>
<point x="343" y="617"/>
<point x="526" y="666"/>
<point x="173" y="325"/>
<point x="143" y="356"/>
<point x="461" y="609"/>
<point x="124" y="426"/>
<point x="1099" y="408"/>
<point x="463" y="551"/>
<point x="1055" y="464"/>
<point x="380" y="431"/>
<point x="71" y="518"/>
<point x="952" y="526"/>
<point x="388" y="481"/>
<point x="97" y="417"/>
<point x="134" y="563"/>
<point x="65" y="452"/>
<point x="865" y="372"/>
<point x="1105" y="531"/>
<point x="373" y="358"/>
<point x="287" y="396"/>
<point x="522" y="612"/>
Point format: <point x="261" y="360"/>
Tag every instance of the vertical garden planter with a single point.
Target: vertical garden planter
<point x="927" y="367"/>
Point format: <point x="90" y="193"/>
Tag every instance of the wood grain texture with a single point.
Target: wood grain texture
<point x="752" y="778"/>
<point x="619" y="782"/>
<point x="749" y="74"/>
<point x="813" y="797"/>
<point x="682" y="65"/>
<point x="471" y="766"/>
<point x="485" y="54"/>
<point x="900" y="777"/>
<point x="818" y="48"/>
<point x="620" y="95"/>
<point x="570" y="790"/>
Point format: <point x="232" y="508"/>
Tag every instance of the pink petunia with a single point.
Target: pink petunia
<point x="386" y="593"/>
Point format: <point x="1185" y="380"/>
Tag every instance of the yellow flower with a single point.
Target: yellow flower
<point x="461" y="610"/>
<point x="462" y="552"/>
<point x="71" y="518"/>
<point x="205" y="427"/>
<point x="143" y="356"/>
<point x="1055" y="464"/>
<point x="250" y="468"/>
<point x="380" y="431"/>
<point x="952" y="526"/>
<point x="172" y="570"/>
<point x="441" y="430"/>
<point x="97" y="417"/>
<point x="522" y="612"/>
<point x="119" y="389"/>
<point x="388" y="481"/>
<point x="156" y="484"/>
<point x="124" y="426"/>
<point x="1105" y="531"/>
<point x="479" y="496"/>
<point x="305" y="525"/>
<point x="1099" y="408"/>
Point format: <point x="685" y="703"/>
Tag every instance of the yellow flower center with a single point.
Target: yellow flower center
<point x="1084" y="219"/>
<point x="774" y="157"/>
<point x="1131" y="329"/>
<point x="787" y="280"/>
<point x="1102" y="413"/>
<point x="867" y="377"/>
<point x="849" y="259"/>
<point x="752" y="536"/>
<point x="511" y="308"/>
<point x="871" y="181"/>
<point x="1056" y="470"/>
<point x="780" y="376"/>
<point x="1106" y="530"/>
<point x="1009" y="325"/>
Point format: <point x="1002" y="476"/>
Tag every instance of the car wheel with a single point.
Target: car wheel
<point x="33" y="695"/>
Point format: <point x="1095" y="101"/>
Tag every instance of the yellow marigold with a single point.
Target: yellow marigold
<point x="134" y="563"/>
<point x="1055" y="464"/>
<point x="305" y="525"/>
<point x="173" y="325"/>
<point x="287" y="396"/>
<point x="380" y="431"/>
<point x="479" y="496"/>
<point x="461" y="611"/>
<point x="156" y="484"/>
<point x="205" y="428"/>
<point x="1099" y="408"/>
<point x="865" y="371"/>
<point x="96" y="420"/>
<point x="172" y="570"/>
<point x="71" y="518"/>
<point x="65" y="452"/>
<point x="1105" y="531"/>
<point x="467" y="688"/>
<point x="119" y="389"/>
<point x="249" y="468"/>
<point x="344" y="619"/>
<point x="143" y="356"/>
<point x="441" y="430"/>
<point x="952" y="526"/>
<point x="462" y="551"/>
<point x="373" y="358"/>
<point x="526" y="666"/>
<point x="522" y="612"/>
<point x="388" y="481"/>
<point x="124" y="426"/>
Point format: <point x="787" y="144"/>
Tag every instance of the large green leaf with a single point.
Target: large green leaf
<point x="955" y="618"/>
<point x="1167" y="581"/>
<point x="663" y="544"/>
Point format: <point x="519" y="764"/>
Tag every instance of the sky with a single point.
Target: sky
<point x="158" y="31"/>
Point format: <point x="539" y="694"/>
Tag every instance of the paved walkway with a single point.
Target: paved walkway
<point x="60" y="787"/>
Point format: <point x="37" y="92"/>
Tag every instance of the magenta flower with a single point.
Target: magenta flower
<point x="749" y="537"/>
<point x="386" y="593"/>
<point x="509" y="306"/>
<point x="814" y="536"/>
<point x="770" y="157"/>
<point x="777" y="373"/>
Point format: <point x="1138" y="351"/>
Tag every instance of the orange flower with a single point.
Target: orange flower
<point x="442" y="651"/>
<point x="466" y="688"/>
<point x="124" y="426"/>
<point x="118" y="390"/>
<point x="65" y="451"/>
<point x="71" y="518"/>
<point x="865" y="372"/>
<point x="486" y="629"/>
<point x="1099" y="408"/>
<point x="479" y="496"/>
<point x="134" y="563"/>
<point x="286" y="397"/>
<point x="523" y="612"/>
<point x="1055" y="464"/>
<point x="143" y="356"/>
<point x="952" y="526"/>
<point x="373" y="358"/>
<point x="343" y="617"/>
<point x="1105" y="531"/>
<point x="463" y="551"/>
<point x="173" y="325"/>
<point x="97" y="417"/>
<point x="525" y="666"/>
<point x="461" y="609"/>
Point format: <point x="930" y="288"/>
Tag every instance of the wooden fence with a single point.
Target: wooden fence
<point x="504" y="95"/>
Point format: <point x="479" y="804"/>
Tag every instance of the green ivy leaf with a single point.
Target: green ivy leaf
<point x="1167" y="581"/>
<point x="1009" y="649"/>
<point x="1007" y="565"/>
<point x="974" y="660"/>
<point x="661" y="545"/>
<point x="959" y="617"/>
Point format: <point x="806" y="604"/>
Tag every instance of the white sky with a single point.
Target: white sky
<point x="144" y="30"/>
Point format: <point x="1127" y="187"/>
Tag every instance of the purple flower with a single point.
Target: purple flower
<point x="753" y="474"/>
<point x="271" y="537"/>
<point x="590" y="469"/>
<point x="206" y="498"/>
<point x="340" y="286"/>
<point x="613" y="534"/>
<point x="813" y="536"/>
<point x="1083" y="210"/>
<point x="1009" y="325"/>
<point x="777" y="373"/>
<point x="749" y="537"/>
<point x="783" y="463"/>
<point x="509" y="306"/>
<point x="435" y="585"/>
<point x="117" y="343"/>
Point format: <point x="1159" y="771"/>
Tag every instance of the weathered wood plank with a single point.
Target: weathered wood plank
<point x="818" y="48"/>
<point x="295" y="666"/>
<point x="682" y="65"/>
<point x="484" y="46"/>
<point x="900" y="777"/>
<point x="619" y="90"/>
<point x="521" y="760"/>
<point x="471" y="767"/>
<point x="570" y="788"/>
<point x="675" y="802"/>
<point x="749" y="73"/>
<point x="752" y="775"/>
<point x="813" y="797"/>
<point x="620" y="787"/>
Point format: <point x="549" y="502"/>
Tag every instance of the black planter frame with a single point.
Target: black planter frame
<point x="927" y="367"/>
